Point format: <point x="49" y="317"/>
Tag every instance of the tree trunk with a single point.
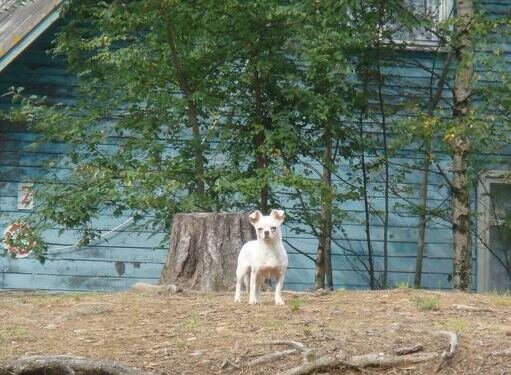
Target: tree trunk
<point x="462" y="240"/>
<point x="319" y="278"/>
<point x="192" y="111"/>
<point x="381" y="103"/>
<point x="365" y="178"/>
<point x="367" y="212"/>
<point x="324" y="274"/>
<point x="460" y="144"/>
<point x="421" y="241"/>
<point x="428" y="155"/>
<point x="204" y="250"/>
<point x="259" y="140"/>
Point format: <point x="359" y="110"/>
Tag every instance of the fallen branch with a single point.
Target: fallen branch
<point x="306" y="352"/>
<point x="271" y="357"/>
<point x="311" y="363"/>
<point x="326" y="363"/>
<point x="383" y="360"/>
<point x="66" y="365"/>
<point x="453" y="346"/>
<point x="504" y="352"/>
<point x="408" y="350"/>
<point x="228" y="365"/>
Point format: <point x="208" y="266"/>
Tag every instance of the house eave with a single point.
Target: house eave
<point x="14" y="42"/>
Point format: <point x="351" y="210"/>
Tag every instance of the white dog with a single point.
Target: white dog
<point x="263" y="258"/>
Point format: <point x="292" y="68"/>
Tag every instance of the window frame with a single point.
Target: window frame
<point x="445" y="11"/>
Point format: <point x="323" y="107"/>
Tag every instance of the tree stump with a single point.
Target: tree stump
<point x="204" y="250"/>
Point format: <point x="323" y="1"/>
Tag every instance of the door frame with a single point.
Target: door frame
<point x="483" y="224"/>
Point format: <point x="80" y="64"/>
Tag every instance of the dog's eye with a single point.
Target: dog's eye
<point x="273" y="228"/>
<point x="259" y="229"/>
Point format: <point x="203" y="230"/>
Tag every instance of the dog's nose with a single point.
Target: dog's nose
<point x="266" y="232"/>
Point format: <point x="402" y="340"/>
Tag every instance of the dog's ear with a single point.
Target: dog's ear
<point x="278" y="215"/>
<point x="254" y="217"/>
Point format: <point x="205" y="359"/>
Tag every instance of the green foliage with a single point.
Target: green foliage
<point x="195" y="106"/>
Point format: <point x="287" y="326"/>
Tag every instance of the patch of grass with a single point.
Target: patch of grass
<point x="182" y="345"/>
<point x="13" y="333"/>
<point x="426" y="303"/>
<point x="500" y="298"/>
<point x="296" y="304"/>
<point x="456" y="325"/>
<point x="402" y="285"/>
<point x="274" y="325"/>
<point x="192" y="322"/>
<point x="9" y="303"/>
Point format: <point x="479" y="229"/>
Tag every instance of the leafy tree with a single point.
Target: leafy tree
<point x="206" y="105"/>
<point x="148" y="75"/>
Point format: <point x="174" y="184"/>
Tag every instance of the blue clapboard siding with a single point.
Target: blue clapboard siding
<point x="116" y="262"/>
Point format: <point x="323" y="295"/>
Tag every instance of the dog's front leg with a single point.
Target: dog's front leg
<point x="278" y="288"/>
<point x="254" y="285"/>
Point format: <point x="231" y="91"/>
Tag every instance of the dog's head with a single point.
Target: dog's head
<point x="267" y="227"/>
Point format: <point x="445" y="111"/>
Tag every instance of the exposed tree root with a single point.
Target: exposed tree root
<point x="66" y="365"/>
<point x="408" y="350"/>
<point x="326" y="363"/>
<point x="453" y="346"/>
<point x="271" y="357"/>
<point x="229" y="365"/>
<point x="387" y="360"/>
<point x="297" y="346"/>
<point x="312" y="363"/>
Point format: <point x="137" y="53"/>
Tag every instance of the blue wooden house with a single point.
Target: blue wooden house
<point x="125" y="254"/>
<point x="122" y="256"/>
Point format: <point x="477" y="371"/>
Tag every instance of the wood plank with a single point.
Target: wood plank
<point x="68" y="283"/>
<point x="356" y="232"/>
<point x="126" y="254"/>
<point x="85" y="268"/>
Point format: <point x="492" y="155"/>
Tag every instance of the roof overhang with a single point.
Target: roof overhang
<point x="23" y="25"/>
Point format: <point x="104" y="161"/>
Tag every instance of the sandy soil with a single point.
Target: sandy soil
<point x="191" y="333"/>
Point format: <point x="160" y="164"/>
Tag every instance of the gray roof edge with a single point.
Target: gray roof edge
<point x="33" y="33"/>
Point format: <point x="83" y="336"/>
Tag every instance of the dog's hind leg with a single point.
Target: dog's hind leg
<point x="246" y="280"/>
<point x="240" y="277"/>
<point x="254" y="286"/>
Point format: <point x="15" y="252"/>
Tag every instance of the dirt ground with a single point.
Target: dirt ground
<point x="191" y="333"/>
